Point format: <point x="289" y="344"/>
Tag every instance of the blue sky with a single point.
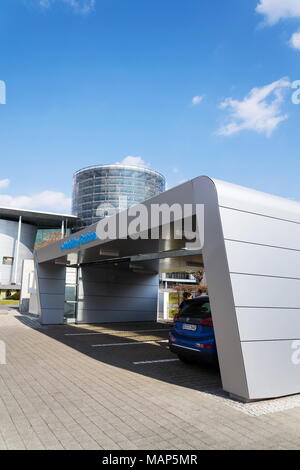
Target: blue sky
<point x="93" y="82"/>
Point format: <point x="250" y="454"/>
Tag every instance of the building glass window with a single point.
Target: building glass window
<point x="95" y="186"/>
<point x="7" y="260"/>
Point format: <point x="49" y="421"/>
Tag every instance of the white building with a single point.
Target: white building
<point x="18" y="230"/>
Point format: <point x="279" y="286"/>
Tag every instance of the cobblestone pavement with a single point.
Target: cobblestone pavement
<point x="77" y="387"/>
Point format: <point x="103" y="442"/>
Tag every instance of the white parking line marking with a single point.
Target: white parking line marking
<point x="132" y="342"/>
<point x="104" y="333"/>
<point x="85" y="334"/>
<point x="153" y="362"/>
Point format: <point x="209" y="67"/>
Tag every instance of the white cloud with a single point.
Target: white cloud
<point x="131" y="160"/>
<point x="82" y="7"/>
<point x="4" y="183"/>
<point x="45" y="3"/>
<point x="45" y="200"/>
<point x="197" y="100"/>
<point x="275" y="10"/>
<point x="258" y="111"/>
<point x="295" y="41"/>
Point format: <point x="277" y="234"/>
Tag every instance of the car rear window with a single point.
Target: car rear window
<point x="196" y="309"/>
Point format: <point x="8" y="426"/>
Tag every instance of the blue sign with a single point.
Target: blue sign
<point x="77" y="242"/>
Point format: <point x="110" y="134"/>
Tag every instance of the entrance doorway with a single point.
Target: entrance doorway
<point x="71" y="295"/>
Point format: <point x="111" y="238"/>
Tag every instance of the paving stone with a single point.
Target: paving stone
<point x="57" y="392"/>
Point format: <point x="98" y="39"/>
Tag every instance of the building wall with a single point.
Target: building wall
<point x="111" y="294"/>
<point x="262" y="242"/>
<point x="105" y="184"/>
<point x="105" y="294"/>
<point x="8" y="237"/>
<point x="251" y="255"/>
<point x="48" y="299"/>
<point x="28" y="284"/>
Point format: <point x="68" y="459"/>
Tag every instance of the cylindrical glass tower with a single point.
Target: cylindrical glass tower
<point x="102" y="190"/>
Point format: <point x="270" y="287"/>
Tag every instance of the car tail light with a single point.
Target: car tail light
<point x="206" y="322"/>
<point x="205" y="346"/>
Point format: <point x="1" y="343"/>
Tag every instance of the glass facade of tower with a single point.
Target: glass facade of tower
<point x="103" y="190"/>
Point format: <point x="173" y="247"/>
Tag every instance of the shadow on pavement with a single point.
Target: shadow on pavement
<point x="109" y="338"/>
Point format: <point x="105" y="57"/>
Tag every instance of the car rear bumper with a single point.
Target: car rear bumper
<point x="194" y="353"/>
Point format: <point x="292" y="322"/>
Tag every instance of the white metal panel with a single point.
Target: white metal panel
<point x="124" y="290"/>
<point x="27" y="277"/>
<point x="250" y="200"/>
<point x="114" y="295"/>
<point x="260" y="291"/>
<point x="264" y="260"/>
<point x="253" y="228"/>
<point x="52" y="271"/>
<point x="50" y="303"/>
<point x="54" y="285"/>
<point x="52" y="300"/>
<point x="258" y="324"/>
<point x="220" y="291"/>
<point x="8" y="236"/>
<point x="108" y="316"/>
<point x="115" y="276"/>
<point x="52" y="316"/>
<point x="98" y="302"/>
<point x="270" y="369"/>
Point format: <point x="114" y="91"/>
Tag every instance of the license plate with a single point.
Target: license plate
<point x="186" y="326"/>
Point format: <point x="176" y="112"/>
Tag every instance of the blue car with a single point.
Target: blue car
<point x="192" y="336"/>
